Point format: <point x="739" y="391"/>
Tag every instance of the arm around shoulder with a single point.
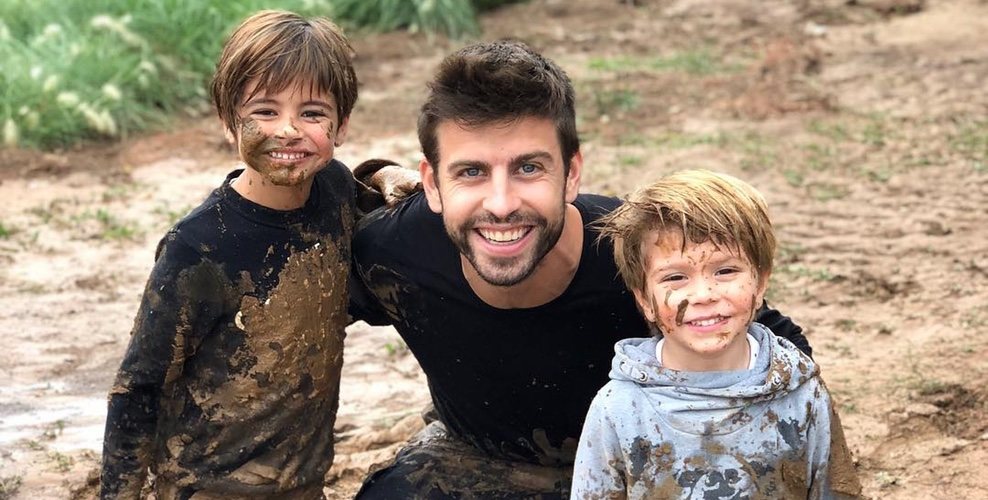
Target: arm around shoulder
<point x="784" y="327"/>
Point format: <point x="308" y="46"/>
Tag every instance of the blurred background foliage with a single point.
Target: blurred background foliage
<point x="74" y="70"/>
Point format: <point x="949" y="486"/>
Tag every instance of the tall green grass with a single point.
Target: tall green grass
<point x="73" y="70"/>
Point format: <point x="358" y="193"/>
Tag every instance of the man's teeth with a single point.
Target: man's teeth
<point x="707" y="322"/>
<point x="503" y="236"/>
<point x="278" y="155"/>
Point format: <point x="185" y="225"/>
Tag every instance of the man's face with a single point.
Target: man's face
<point x="502" y="191"/>
<point x="701" y="296"/>
<point x="288" y="136"/>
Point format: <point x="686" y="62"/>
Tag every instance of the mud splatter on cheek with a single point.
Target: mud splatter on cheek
<point x="252" y="140"/>
<point x="668" y="294"/>
<point x="331" y="132"/>
<point x="681" y="312"/>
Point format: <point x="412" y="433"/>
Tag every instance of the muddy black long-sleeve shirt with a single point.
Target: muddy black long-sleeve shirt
<point x="230" y="383"/>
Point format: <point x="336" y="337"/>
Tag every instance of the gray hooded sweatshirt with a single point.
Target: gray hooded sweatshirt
<point x="766" y="432"/>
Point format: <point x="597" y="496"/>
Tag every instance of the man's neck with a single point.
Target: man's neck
<point x="550" y="279"/>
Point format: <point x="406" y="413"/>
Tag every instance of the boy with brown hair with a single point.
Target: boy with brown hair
<point x="716" y="404"/>
<point x="230" y="385"/>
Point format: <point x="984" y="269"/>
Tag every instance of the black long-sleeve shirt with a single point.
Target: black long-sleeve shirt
<point x="230" y="383"/>
<point x="515" y="383"/>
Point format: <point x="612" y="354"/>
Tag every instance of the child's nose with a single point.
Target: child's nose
<point x="287" y="129"/>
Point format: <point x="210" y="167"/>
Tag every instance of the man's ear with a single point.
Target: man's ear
<point x="573" y="178"/>
<point x="645" y="305"/>
<point x="430" y="186"/>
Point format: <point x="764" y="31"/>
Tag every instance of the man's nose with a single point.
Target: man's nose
<point x="501" y="200"/>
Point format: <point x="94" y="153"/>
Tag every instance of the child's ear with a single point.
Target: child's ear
<point x="341" y="132"/>
<point x="762" y="288"/>
<point x="645" y="304"/>
<point x="230" y="138"/>
<point x="430" y="186"/>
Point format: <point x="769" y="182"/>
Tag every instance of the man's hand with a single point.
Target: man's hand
<point x="387" y="182"/>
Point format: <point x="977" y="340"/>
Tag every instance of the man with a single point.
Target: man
<point x="495" y="279"/>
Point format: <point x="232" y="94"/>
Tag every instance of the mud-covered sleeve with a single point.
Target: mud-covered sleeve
<point x="180" y="303"/>
<point x="364" y="305"/>
<point x="782" y="326"/>
<point x="598" y="471"/>
<point x="832" y="471"/>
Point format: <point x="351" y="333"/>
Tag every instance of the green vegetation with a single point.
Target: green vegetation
<point x="695" y="62"/>
<point x="9" y="486"/>
<point x="609" y="101"/>
<point x="5" y="231"/>
<point x="73" y="70"/>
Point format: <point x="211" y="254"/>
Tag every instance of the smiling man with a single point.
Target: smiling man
<point x="494" y="278"/>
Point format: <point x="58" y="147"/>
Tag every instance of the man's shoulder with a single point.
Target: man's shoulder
<point x="594" y="206"/>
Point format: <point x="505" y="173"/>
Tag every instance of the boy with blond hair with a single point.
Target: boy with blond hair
<point x="715" y="405"/>
<point x="230" y="385"/>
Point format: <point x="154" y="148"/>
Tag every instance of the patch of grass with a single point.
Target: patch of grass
<point x="971" y="142"/>
<point x="76" y="70"/>
<point x="693" y="62"/>
<point x="172" y="216"/>
<point x="455" y="18"/>
<point x="847" y="325"/>
<point x="823" y="191"/>
<point x="9" y="485"/>
<point x="61" y="461"/>
<point x="395" y="348"/>
<point x="111" y="228"/>
<point x="609" y="101"/>
<point x="793" y="177"/>
<point x="798" y="270"/>
<point x="630" y="160"/>
<point x="833" y="131"/>
<point x="54" y="430"/>
<point x="6" y="231"/>
<point x="675" y="140"/>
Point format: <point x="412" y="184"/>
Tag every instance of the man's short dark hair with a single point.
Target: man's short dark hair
<point x="494" y="82"/>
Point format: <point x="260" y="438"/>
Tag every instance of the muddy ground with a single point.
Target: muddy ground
<point x="863" y="122"/>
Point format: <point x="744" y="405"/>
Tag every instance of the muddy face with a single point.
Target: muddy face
<point x="290" y="135"/>
<point x="709" y="298"/>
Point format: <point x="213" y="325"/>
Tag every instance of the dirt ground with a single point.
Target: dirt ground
<point x="865" y="123"/>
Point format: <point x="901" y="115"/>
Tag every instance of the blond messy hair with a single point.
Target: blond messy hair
<point x="701" y="206"/>
<point x="278" y="49"/>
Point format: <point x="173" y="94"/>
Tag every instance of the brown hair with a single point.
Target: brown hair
<point x="279" y="48"/>
<point x="499" y="81"/>
<point x="702" y="206"/>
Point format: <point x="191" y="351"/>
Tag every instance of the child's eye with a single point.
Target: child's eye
<point x="262" y="112"/>
<point x="313" y="114"/>
<point x="727" y="271"/>
<point x="672" y="278"/>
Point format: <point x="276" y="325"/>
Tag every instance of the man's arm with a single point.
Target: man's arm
<point x="179" y="302"/>
<point x="782" y="326"/>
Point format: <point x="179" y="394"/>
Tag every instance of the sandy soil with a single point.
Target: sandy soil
<point x="863" y="122"/>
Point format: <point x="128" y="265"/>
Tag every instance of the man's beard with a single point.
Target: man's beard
<point x="511" y="270"/>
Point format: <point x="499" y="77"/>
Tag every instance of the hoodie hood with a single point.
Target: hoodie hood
<point x="714" y="402"/>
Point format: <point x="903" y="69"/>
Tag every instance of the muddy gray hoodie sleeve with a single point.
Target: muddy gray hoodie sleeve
<point x="598" y="470"/>
<point x="832" y="469"/>
<point x="179" y="304"/>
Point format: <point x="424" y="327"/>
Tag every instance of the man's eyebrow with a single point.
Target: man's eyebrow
<point x="527" y="157"/>
<point x="468" y="164"/>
